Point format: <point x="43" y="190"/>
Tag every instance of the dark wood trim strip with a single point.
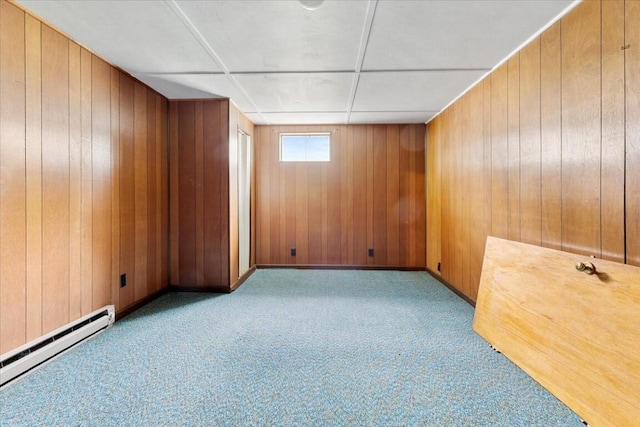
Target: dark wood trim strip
<point x="136" y="305"/>
<point x="471" y="302"/>
<point x="340" y="267"/>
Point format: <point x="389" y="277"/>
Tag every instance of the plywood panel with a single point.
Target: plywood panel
<point x="632" y="91"/>
<point x="530" y="149"/>
<point x="576" y="334"/>
<point x="86" y="187"/>
<point x="379" y="186"/>
<point x="513" y="145"/>
<point x="127" y="191"/>
<point x="499" y="160"/>
<point x="12" y="178"/>
<point x="581" y="115"/>
<point x="140" y="187"/>
<point x="174" y="197"/>
<point x="419" y="197"/>
<point x="550" y="137"/>
<point x="392" y="226"/>
<point x="75" y="182"/>
<point x="164" y="155"/>
<point x="115" y="187"/>
<point x="101" y="168"/>
<point x="55" y="179"/>
<point x="152" y="196"/>
<point x="186" y="189"/>
<point x="434" y="212"/>
<point x="360" y="215"/>
<point x="33" y="154"/>
<point x="315" y="206"/>
<point x="211" y="187"/>
<point x="333" y="195"/>
<point x="199" y="211"/>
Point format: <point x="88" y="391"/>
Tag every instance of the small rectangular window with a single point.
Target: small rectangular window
<point x="305" y="147"/>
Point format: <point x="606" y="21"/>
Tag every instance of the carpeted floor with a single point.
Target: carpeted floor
<point x="290" y="347"/>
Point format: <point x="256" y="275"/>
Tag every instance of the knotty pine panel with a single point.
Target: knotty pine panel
<point x="370" y="195"/>
<point x="63" y="114"/>
<point x="562" y="185"/>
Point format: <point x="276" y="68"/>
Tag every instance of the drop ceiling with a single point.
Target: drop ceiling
<point x="348" y="61"/>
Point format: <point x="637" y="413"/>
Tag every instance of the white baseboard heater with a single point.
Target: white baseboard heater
<point x="24" y="358"/>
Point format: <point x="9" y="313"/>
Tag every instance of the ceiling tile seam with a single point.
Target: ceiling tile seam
<point x="182" y="73"/>
<point x="424" y="70"/>
<point x="210" y="51"/>
<point x="364" y="42"/>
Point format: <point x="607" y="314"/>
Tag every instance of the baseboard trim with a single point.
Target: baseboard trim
<point x="452" y="288"/>
<point x="204" y="289"/>
<point x="242" y="278"/>
<point x="138" y="304"/>
<point x="340" y="267"/>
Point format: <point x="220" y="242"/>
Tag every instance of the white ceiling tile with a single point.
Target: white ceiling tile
<point x="360" y="117"/>
<point x="185" y="86"/>
<point x="280" y="35"/>
<point x="138" y="36"/>
<point x="301" y="118"/>
<point x="444" y="34"/>
<point x="411" y="90"/>
<point x="298" y="92"/>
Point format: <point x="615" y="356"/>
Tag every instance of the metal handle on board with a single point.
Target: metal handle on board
<point x="586" y="267"/>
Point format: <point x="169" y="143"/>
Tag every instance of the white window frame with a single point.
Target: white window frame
<point x="283" y="134"/>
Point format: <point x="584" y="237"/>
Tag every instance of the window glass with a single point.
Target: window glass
<point x="311" y="147"/>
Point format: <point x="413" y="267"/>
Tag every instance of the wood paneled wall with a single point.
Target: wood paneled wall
<point x="83" y="181"/>
<point x="370" y="195"/>
<point x="541" y="150"/>
<point x="204" y="188"/>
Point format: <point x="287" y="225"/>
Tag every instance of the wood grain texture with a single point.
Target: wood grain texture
<point x="581" y="115"/>
<point x="568" y="176"/>
<point x="632" y="125"/>
<point x="612" y="151"/>
<point x="551" y="137"/>
<point x="33" y="152"/>
<point x="201" y="227"/>
<point x="578" y="335"/>
<point x="434" y="210"/>
<point x="530" y="149"/>
<point x="333" y="212"/>
<point x="55" y="181"/>
<point x="13" y="233"/>
<point x="63" y="114"/>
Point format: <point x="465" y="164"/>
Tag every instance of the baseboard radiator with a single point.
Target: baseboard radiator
<point x="23" y="359"/>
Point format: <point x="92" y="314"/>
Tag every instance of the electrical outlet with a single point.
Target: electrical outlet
<point x="370" y="251"/>
<point x="293" y="251"/>
<point x="123" y="280"/>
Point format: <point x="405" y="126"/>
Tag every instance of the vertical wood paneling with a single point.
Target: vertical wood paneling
<point x="513" y="145"/>
<point x="554" y="122"/>
<point x="127" y="191"/>
<point x="612" y="162"/>
<point x="60" y="172"/>
<point x="33" y="128"/>
<point x="174" y="196"/>
<point x="153" y="164"/>
<point x="12" y="178"/>
<point x="164" y="180"/>
<point x="140" y="187"/>
<point x="550" y="137"/>
<point x="186" y="191"/>
<point x="86" y="187"/>
<point x="632" y="74"/>
<point x="475" y="189"/>
<point x="75" y="182"/>
<point x="393" y="194"/>
<point x="199" y="178"/>
<point x="530" y="152"/>
<point x="370" y="195"/>
<point x="581" y="115"/>
<point x="55" y="179"/>
<point x="101" y="174"/>
<point x="434" y="211"/>
<point x="115" y="188"/>
<point x="499" y="160"/>
<point x="211" y="187"/>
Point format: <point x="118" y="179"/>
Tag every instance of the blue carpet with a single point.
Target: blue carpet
<point x="290" y="347"/>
